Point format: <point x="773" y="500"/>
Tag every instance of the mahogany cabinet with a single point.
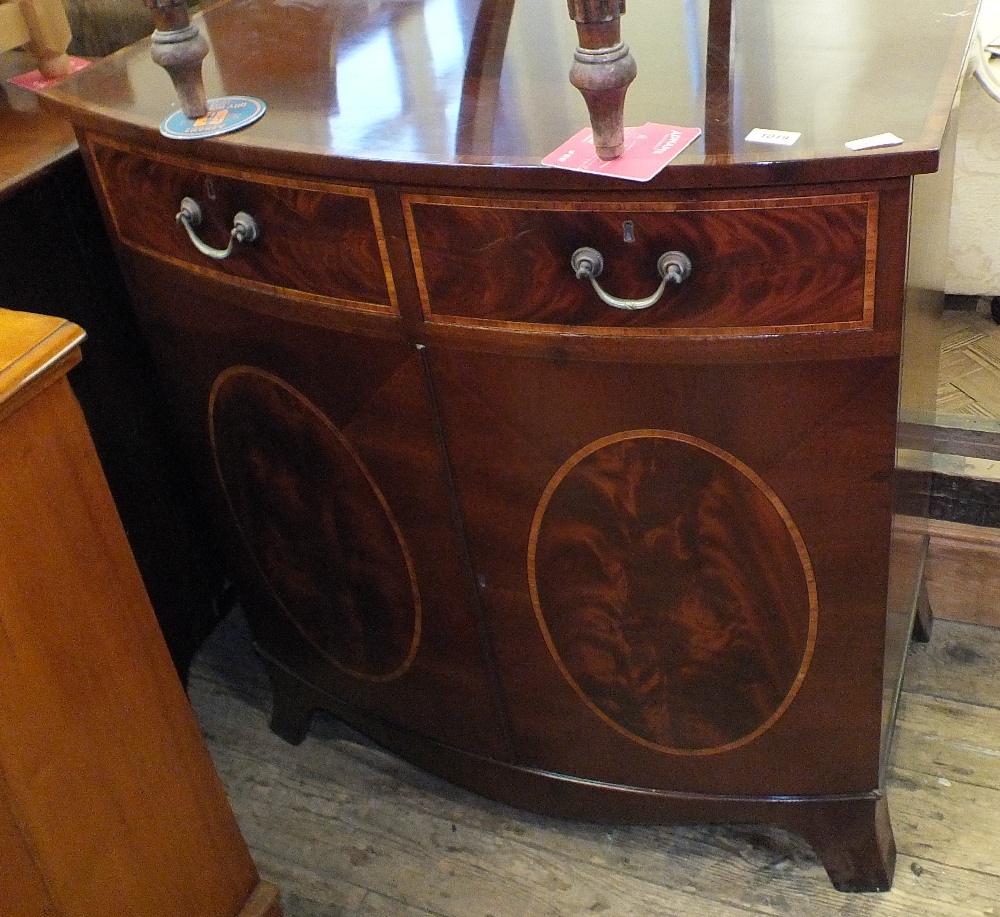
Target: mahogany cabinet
<point x="647" y="563"/>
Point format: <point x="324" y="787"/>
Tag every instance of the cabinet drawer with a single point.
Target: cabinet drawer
<point x="324" y="243"/>
<point x="764" y="266"/>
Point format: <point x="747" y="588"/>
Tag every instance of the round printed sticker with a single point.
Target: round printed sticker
<point x="225" y="115"/>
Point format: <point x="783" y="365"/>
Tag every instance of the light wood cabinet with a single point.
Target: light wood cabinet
<point x="109" y="803"/>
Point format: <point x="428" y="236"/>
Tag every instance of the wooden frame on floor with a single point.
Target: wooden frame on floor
<point x="963" y="572"/>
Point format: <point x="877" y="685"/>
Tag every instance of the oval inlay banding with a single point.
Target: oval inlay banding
<point x="319" y="529"/>
<point x="673" y="589"/>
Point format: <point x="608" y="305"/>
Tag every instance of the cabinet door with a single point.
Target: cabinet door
<point x="318" y="442"/>
<point x="683" y="566"/>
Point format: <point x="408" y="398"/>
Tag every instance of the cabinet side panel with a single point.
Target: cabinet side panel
<point x="20" y="879"/>
<point x="112" y="779"/>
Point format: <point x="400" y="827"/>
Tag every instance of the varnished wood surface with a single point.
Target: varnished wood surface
<point x="774" y="264"/>
<point x="650" y="649"/>
<point x="347" y="829"/>
<point x="335" y="397"/>
<point x="456" y="436"/>
<point x="31" y="138"/>
<point x="303" y="578"/>
<point x="55" y="255"/>
<point x="457" y="441"/>
<point x="110" y="804"/>
<point x="383" y="92"/>
<point x="318" y="241"/>
<point x="34" y="350"/>
<point x="509" y="425"/>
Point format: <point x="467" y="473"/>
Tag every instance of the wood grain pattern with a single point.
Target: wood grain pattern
<point x="510" y="423"/>
<point x="460" y="443"/>
<point x="104" y="777"/>
<point x="507" y="423"/>
<point x="782" y="353"/>
<point x="343" y="824"/>
<point x="673" y="590"/>
<point x="372" y="391"/>
<point x="320" y="242"/>
<point x="771" y="264"/>
<point x="316" y="524"/>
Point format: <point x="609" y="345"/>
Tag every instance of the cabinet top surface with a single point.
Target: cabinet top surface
<point x="476" y="92"/>
<point x="30" y="346"/>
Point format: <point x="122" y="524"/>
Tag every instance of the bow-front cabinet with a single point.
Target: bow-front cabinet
<point x="588" y="543"/>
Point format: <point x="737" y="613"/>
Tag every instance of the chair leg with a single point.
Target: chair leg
<point x="49" y="31"/>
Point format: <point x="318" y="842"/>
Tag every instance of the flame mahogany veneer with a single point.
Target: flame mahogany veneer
<point x="652" y="565"/>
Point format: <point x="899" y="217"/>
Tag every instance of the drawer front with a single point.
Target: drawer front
<point x="323" y="243"/>
<point x="771" y="266"/>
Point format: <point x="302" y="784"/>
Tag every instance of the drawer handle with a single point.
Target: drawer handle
<point x="673" y="267"/>
<point x="244" y="229"/>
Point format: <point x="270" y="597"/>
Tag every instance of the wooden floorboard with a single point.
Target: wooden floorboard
<point x="344" y="828"/>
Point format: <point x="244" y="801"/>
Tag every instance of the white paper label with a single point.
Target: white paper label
<point x="782" y="138"/>
<point x="868" y="143"/>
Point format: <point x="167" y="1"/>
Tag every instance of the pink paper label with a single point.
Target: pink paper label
<point x="34" y="80"/>
<point x="647" y="150"/>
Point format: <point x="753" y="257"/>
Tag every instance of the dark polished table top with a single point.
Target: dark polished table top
<point x="387" y="89"/>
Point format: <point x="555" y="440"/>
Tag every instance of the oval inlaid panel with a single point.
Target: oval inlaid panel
<point x="674" y="591"/>
<point x="316" y="524"/>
